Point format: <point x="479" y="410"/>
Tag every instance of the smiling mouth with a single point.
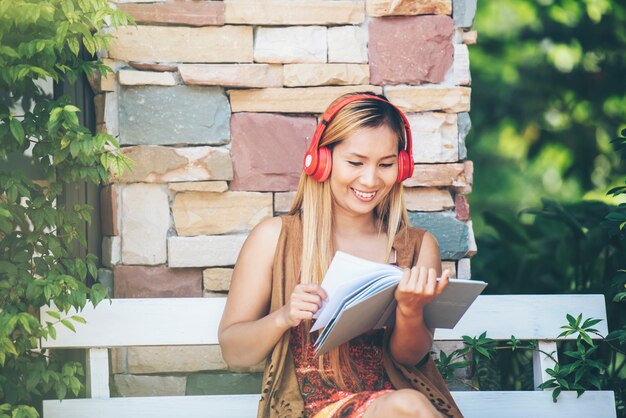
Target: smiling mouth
<point x="363" y="195"/>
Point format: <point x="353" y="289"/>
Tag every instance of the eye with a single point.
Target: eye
<point x="386" y="165"/>
<point x="355" y="163"/>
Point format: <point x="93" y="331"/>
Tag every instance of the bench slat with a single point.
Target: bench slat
<point x="146" y="322"/>
<point x="472" y="404"/>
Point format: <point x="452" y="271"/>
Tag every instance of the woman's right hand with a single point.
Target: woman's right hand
<point x="305" y="300"/>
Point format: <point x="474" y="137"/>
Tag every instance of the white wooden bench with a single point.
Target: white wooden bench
<point x="156" y="322"/>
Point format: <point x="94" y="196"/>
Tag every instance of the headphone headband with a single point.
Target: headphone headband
<point x="316" y="161"/>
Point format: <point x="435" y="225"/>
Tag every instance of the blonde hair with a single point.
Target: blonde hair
<point x="314" y="204"/>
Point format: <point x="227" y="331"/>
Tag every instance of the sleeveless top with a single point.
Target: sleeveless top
<point x="280" y="395"/>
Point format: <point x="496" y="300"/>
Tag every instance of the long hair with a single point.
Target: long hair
<point x="314" y="204"/>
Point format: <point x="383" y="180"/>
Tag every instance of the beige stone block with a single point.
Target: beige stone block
<point x="198" y="213"/>
<point x="296" y="75"/>
<point x="217" y="279"/>
<point x="111" y="251"/>
<point x="470" y="37"/>
<point x="464" y="268"/>
<point x="145" y="78"/>
<point x="232" y="75"/>
<point x="182" y="44"/>
<point x="428" y="200"/>
<point x="421" y="99"/>
<point x="204" y="251"/>
<point x="175" y="359"/>
<point x="472" y="247"/>
<point x="107" y="115"/>
<point x="158" y="164"/>
<point x="283" y="201"/>
<point x="119" y="362"/>
<point x="105" y="83"/>
<point x="301" y="12"/>
<point x="458" y="175"/>
<point x="347" y="44"/>
<point x="461" y="66"/>
<point x="408" y="7"/>
<point x="291" y="100"/>
<point x="199" y="186"/>
<point x="292" y="44"/>
<point x="129" y="385"/>
<point x="450" y="266"/>
<point x="435" y="137"/>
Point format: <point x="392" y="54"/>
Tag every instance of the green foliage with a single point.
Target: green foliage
<point x="41" y="39"/>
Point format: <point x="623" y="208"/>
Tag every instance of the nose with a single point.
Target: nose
<point x="369" y="176"/>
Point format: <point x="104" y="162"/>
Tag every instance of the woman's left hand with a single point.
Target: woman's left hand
<point x="418" y="287"/>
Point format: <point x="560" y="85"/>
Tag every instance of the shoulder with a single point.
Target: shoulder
<point x="267" y="232"/>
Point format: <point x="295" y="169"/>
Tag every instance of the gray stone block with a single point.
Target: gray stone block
<point x="463" y="12"/>
<point x="465" y="124"/>
<point x="223" y="383"/>
<point x="452" y="234"/>
<point x="151" y="115"/>
<point x="105" y="278"/>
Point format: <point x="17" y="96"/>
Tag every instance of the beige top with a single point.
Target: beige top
<point x="280" y="396"/>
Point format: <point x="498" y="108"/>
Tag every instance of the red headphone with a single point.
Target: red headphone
<point x="318" y="161"/>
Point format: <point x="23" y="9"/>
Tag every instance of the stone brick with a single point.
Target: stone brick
<point x="471" y="241"/>
<point x="232" y="75"/>
<point x="420" y="99"/>
<point x="428" y="200"/>
<point x="464" y="268"/>
<point x="458" y="176"/>
<point x="450" y="266"/>
<point x="217" y="279"/>
<point x="204" y="251"/>
<point x="109" y="210"/>
<point x="379" y="8"/>
<point x="257" y="137"/>
<point x="145" y="222"/>
<point x="193" y="115"/>
<point x="435" y="137"/>
<point x="199" y="186"/>
<point x="118" y="360"/>
<point x="184" y="13"/>
<point x="291" y="100"/>
<point x="347" y="44"/>
<point x="154" y="164"/>
<point x="462" y="208"/>
<point x="105" y="278"/>
<point x="145" y="78"/>
<point x="452" y="234"/>
<point x="107" y="117"/>
<point x="153" y="66"/>
<point x="198" y="213"/>
<point x="156" y="282"/>
<point x="100" y="83"/>
<point x="296" y="75"/>
<point x="290" y="44"/>
<point x="111" y="251"/>
<point x="410" y="50"/>
<point x="283" y="201"/>
<point x="464" y="12"/>
<point x="223" y="383"/>
<point x="461" y="66"/>
<point x="303" y="12"/>
<point x="129" y="385"/>
<point x="182" y="44"/>
<point x="175" y="359"/>
<point x="465" y="124"/>
<point x="470" y="37"/>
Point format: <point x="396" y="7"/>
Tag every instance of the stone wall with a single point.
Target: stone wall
<point x="215" y="101"/>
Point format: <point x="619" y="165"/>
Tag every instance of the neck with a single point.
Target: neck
<point x="346" y="225"/>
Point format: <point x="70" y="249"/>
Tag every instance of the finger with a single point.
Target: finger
<point x="306" y="307"/>
<point x="441" y="284"/>
<point x="313" y="289"/>
<point x="310" y="298"/>
<point x="431" y="282"/>
<point x="413" y="279"/>
<point x="421" y="280"/>
<point x="404" y="281"/>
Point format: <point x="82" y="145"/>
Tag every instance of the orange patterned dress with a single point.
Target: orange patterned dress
<point x="321" y="399"/>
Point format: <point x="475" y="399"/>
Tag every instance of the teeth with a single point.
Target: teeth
<point x="364" y="195"/>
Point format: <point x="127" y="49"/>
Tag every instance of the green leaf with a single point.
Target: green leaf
<point x="79" y="319"/>
<point x="17" y="130"/>
<point x="68" y="324"/>
<point x="54" y="314"/>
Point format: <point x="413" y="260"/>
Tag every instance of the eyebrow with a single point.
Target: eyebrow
<point x="354" y="154"/>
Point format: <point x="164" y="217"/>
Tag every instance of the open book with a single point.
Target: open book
<point x="361" y="298"/>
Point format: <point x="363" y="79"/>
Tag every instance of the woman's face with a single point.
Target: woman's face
<point x="365" y="168"/>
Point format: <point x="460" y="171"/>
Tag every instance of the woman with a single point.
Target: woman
<point x="349" y="199"/>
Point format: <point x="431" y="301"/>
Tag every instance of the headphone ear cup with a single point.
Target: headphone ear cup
<point x="405" y="166"/>
<point x="324" y="164"/>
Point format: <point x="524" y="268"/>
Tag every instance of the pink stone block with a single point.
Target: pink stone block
<point x="410" y="50"/>
<point x="267" y="150"/>
<point x="156" y="282"/>
<point x="462" y="207"/>
<point x="108" y="211"/>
